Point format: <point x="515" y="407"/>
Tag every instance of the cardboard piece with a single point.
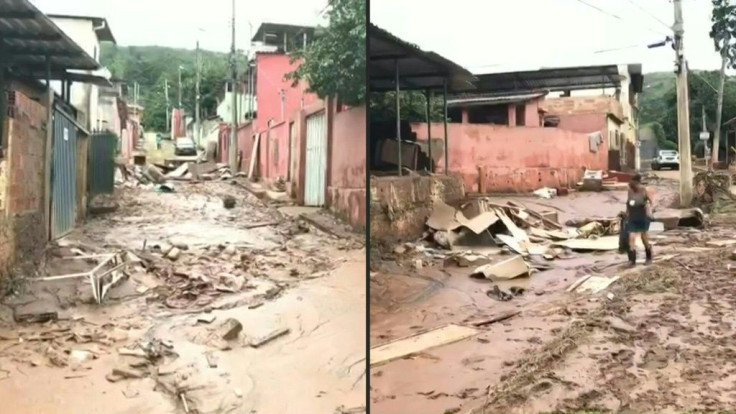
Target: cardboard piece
<point x="443" y="217"/>
<point x="478" y="224"/>
<point x="595" y="284"/>
<point x="510" y="268"/>
<point x="404" y="347"/>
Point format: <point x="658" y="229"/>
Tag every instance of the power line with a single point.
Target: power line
<point x="615" y="16"/>
<point x="645" y="11"/>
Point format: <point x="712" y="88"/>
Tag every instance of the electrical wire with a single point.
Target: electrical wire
<point x="648" y="13"/>
<point x="615" y="16"/>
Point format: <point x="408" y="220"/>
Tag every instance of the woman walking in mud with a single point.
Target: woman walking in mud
<point x="639" y="210"/>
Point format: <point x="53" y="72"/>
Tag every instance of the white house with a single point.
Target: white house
<point x="87" y="32"/>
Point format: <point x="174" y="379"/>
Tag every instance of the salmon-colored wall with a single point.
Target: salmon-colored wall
<point x="271" y="69"/>
<point x="346" y="189"/>
<point x="515" y="159"/>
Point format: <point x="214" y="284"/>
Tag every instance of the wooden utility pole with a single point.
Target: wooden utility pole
<point x="233" y="147"/>
<point x="197" y="126"/>
<point x="683" y="111"/>
<point x="719" y="112"/>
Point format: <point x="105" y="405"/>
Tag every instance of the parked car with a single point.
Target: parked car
<point x="666" y="159"/>
<point x="185" y="146"/>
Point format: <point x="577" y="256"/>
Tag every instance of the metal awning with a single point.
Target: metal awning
<point x="466" y="100"/>
<point x="418" y="70"/>
<point x="31" y="42"/>
<point x="559" y="79"/>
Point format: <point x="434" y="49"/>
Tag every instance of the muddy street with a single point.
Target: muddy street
<point x="216" y="310"/>
<point x="582" y="332"/>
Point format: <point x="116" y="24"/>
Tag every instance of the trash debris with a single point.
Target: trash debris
<point x="619" y="325"/>
<point x="507" y="269"/>
<point x="593" y="284"/>
<point x="592" y="180"/>
<point x="269" y="337"/>
<point x="546" y="193"/>
<point x="438" y="337"/>
<point x="228" y="202"/>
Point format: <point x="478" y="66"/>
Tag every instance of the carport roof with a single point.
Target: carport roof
<point x="559" y="79"/>
<point x="418" y="70"/>
<point x="28" y="37"/>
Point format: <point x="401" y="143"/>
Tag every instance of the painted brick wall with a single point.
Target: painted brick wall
<point x="271" y="69"/>
<point x="520" y="159"/>
<point x="582" y="105"/>
<point x="346" y="189"/>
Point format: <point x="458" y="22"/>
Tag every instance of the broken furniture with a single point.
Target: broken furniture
<point x="108" y="271"/>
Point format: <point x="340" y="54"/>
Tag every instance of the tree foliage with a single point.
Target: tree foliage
<point x="412" y="104"/>
<point x="723" y="29"/>
<point x="150" y="66"/>
<point x="335" y="63"/>
<point x="700" y="86"/>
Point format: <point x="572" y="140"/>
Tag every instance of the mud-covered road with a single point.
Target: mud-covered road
<point x="157" y="344"/>
<point x="656" y="340"/>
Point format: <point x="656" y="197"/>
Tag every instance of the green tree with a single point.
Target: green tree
<point x="335" y="63"/>
<point x="413" y="106"/>
<point x="723" y="32"/>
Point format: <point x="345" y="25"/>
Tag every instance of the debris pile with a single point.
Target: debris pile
<point x="713" y="192"/>
<point x="160" y="175"/>
<point x="483" y="229"/>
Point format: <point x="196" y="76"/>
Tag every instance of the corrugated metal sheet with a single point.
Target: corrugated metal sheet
<point x="63" y="175"/>
<point x="27" y="37"/>
<point x="316" y="160"/>
<point x="101" y="169"/>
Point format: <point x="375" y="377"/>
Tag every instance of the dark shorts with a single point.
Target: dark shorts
<point x="639" y="226"/>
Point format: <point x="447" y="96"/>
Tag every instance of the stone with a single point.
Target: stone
<point x="174" y="253"/>
<point x="619" y="325"/>
<point x="230" y="250"/>
<point x="228" y="202"/>
<point x="230" y="329"/>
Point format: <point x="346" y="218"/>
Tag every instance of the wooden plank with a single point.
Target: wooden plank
<point x="438" y="337"/>
<point x="253" y="156"/>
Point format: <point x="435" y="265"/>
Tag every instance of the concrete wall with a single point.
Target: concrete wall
<point x="346" y="188"/>
<point x="84" y="97"/>
<point x="492" y="158"/>
<point x="271" y="69"/>
<point x="400" y="206"/>
<point x="22" y="223"/>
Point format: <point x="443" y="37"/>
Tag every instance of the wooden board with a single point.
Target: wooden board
<point x="253" y="156"/>
<point x="401" y="348"/>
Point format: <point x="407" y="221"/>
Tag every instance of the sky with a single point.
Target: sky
<point x="487" y="36"/>
<point x="177" y="23"/>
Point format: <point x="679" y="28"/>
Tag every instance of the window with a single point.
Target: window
<point x="521" y="115"/>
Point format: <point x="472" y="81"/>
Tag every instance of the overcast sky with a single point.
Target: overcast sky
<point x="499" y="35"/>
<point x="175" y="23"/>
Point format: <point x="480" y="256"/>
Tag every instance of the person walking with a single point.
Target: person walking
<point x="639" y="214"/>
<point x="159" y="140"/>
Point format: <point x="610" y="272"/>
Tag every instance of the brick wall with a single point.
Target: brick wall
<point x="22" y="223"/>
<point x="582" y="105"/>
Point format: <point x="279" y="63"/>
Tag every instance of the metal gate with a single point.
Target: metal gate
<point x="316" y="160"/>
<point x="101" y="167"/>
<point x="63" y="175"/>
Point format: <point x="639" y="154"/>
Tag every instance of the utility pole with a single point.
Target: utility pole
<point x="704" y="137"/>
<point x="683" y="111"/>
<point x="168" y="106"/>
<point x="233" y="147"/>
<point x="180" y="68"/>
<point x="719" y="111"/>
<point x="197" y="126"/>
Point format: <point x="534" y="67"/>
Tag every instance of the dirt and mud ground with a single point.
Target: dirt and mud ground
<point x="156" y="344"/>
<point x="657" y="340"/>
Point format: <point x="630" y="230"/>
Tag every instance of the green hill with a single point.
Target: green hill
<point x="149" y="66"/>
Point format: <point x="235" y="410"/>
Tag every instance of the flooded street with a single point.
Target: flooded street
<point x="552" y="348"/>
<point x="220" y="310"/>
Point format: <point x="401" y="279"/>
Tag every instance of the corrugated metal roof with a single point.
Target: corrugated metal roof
<point x="28" y="38"/>
<point x="492" y="99"/>
<point x="558" y="79"/>
<point x="418" y="70"/>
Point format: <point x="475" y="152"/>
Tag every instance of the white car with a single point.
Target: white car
<point x="666" y="159"/>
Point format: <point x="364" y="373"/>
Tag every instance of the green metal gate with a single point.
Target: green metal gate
<point x="101" y="166"/>
<point x="63" y="174"/>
